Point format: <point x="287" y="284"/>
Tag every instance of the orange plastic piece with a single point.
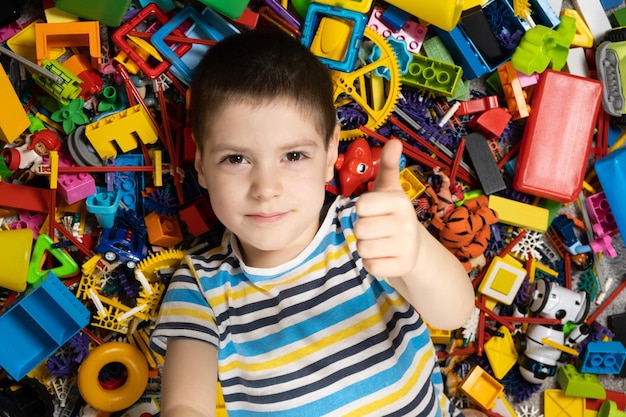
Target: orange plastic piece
<point x="123" y="128"/>
<point x="163" y="230"/>
<point x="513" y="92"/>
<point x="73" y="34"/>
<point x="23" y="43"/>
<point x="13" y="118"/>
<point x="481" y="387"/>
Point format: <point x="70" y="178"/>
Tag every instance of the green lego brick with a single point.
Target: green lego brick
<point x="432" y="75"/>
<point x="434" y="48"/>
<point x="618" y="17"/>
<point x="575" y="384"/>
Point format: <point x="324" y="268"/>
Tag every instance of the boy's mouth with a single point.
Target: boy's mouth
<point x="266" y="217"/>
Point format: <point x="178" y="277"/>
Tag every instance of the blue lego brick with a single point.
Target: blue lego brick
<point x="395" y="17"/>
<point x="611" y="171"/>
<point x="130" y="184"/>
<point x="603" y="358"/>
<point x="38" y="325"/>
<point x="609" y="4"/>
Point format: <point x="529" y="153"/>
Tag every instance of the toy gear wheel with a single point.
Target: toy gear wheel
<point x="167" y="259"/>
<point x="373" y="95"/>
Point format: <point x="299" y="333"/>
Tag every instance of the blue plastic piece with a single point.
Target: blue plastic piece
<point x="395" y="17"/>
<point x="402" y="53"/>
<point x="609" y="4"/>
<point x="38" y="325"/>
<point x="209" y="25"/>
<point x="611" y="171"/>
<point x="603" y="358"/>
<point x="103" y="204"/>
<point x="314" y="14"/>
<point x="165" y="5"/>
<point x="130" y="184"/>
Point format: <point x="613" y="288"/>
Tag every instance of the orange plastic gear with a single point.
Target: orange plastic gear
<point x="358" y="86"/>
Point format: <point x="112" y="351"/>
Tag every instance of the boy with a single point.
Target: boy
<point x="299" y="311"/>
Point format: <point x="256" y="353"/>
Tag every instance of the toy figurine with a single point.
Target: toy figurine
<point x="357" y="166"/>
<point x="31" y="153"/>
<point x="543" y="345"/>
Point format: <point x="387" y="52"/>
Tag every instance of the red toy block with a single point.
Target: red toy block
<point x="198" y="216"/>
<point x="557" y="138"/>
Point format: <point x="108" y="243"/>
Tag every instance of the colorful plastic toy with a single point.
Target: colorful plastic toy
<point x="39" y="324"/>
<point x="542" y="344"/>
<point x="327" y="33"/>
<point x="556" y="123"/>
<point x="411" y="32"/>
<point x="357" y="167"/>
<point x="107" y="13"/>
<point x="432" y="75"/>
<point x="603" y="358"/>
<point x="75" y="34"/>
<point x="13" y="118"/>
<point x="16" y="246"/>
<point x="120" y="397"/>
<point x="576" y="384"/>
<point x="444" y="14"/>
<point x="121" y="245"/>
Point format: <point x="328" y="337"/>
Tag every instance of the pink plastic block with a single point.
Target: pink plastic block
<point x="527" y="80"/>
<point x="600" y="215"/>
<point x="74" y="187"/>
<point x="9" y="30"/>
<point x="412" y="32"/>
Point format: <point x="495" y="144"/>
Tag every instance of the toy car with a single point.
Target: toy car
<point x="122" y="245"/>
<point x="611" y="65"/>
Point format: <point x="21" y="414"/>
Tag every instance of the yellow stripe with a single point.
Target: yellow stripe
<point x="393" y="397"/>
<point x="329" y="340"/>
<point x="249" y="290"/>
<point x="170" y="312"/>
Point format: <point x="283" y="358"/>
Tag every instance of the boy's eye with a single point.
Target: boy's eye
<point x="294" y="156"/>
<point x="234" y="159"/>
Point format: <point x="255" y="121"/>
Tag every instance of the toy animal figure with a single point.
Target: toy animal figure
<point x="465" y="230"/>
<point x="358" y="166"/>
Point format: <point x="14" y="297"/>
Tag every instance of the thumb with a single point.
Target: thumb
<point x="388" y="178"/>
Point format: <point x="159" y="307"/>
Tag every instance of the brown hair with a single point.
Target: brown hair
<point x="260" y="66"/>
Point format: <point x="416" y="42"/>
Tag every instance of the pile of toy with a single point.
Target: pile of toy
<point x="510" y="114"/>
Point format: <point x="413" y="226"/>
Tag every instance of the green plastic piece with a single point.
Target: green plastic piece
<point x="434" y="48"/>
<point x="432" y="75"/>
<point x="232" y="9"/>
<point x="301" y="6"/>
<point x="36" y="124"/>
<point x="541" y="47"/>
<point x="618" y="18"/>
<point x="107" y="12"/>
<point x="71" y="115"/>
<point x="108" y="99"/>
<point x="43" y="244"/>
<point x="575" y="384"/>
<point x="609" y="409"/>
<point x="552" y="206"/>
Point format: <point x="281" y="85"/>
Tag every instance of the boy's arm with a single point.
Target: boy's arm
<point x="189" y="379"/>
<point x="392" y="243"/>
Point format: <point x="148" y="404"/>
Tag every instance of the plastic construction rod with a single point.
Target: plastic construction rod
<point x="31" y="65"/>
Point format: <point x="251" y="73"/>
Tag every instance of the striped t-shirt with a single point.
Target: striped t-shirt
<point x="317" y="336"/>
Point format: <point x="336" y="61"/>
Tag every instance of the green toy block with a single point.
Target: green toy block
<point x="432" y="75"/>
<point x="575" y="384"/>
<point x="233" y="9"/>
<point x="107" y="12"/>
<point x="434" y="48"/>
<point x="618" y="18"/>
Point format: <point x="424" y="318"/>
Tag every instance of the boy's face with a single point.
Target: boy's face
<point x="265" y="168"/>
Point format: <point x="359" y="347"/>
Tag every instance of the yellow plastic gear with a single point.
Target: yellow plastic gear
<point x="161" y="260"/>
<point x="358" y="86"/>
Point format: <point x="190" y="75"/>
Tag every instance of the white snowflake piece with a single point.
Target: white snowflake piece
<point x="528" y="246"/>
<point x="528" y="410"/>
<point x="470" y="328"/>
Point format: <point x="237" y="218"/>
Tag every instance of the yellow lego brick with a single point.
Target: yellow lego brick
<point x="411" y="185"/>
<point x="331" y="39"/>
<point x="520" y="214"/>
<point x="13" y="118"/>
<point x="123" y="128"/>
<point x="481" y="387"/>
<point x="583" y="37"/>
<point x="438" y="336"/>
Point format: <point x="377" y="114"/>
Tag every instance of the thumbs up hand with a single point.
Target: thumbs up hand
<point x="387" y="227"/>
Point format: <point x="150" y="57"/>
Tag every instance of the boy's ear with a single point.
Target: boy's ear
<point x="333" y="149"/>
<point x="197" y="163"/>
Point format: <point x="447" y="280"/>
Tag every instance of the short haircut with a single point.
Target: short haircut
<point x="258" y="67"/>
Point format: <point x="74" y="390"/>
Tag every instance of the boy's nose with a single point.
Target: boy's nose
<point x="265" y="184"/>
